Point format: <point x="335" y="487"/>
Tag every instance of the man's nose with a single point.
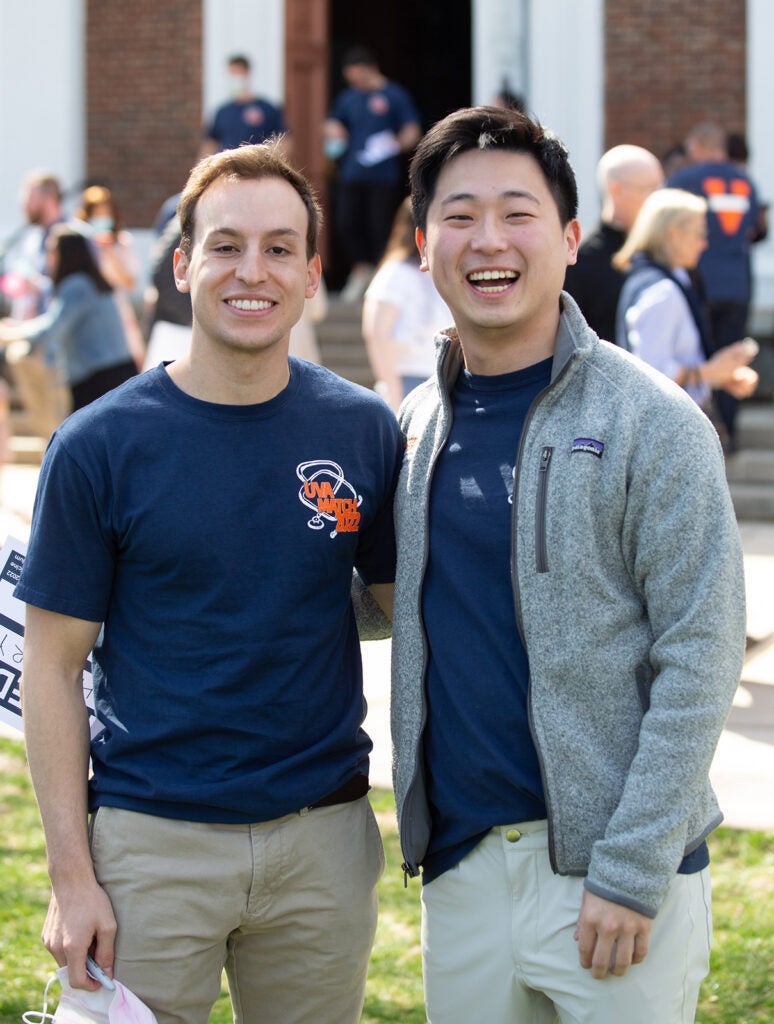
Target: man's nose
<point x="251" y="267"/>
<point x="490" y="235"/>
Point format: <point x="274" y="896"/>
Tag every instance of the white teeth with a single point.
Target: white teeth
<point x="492" y="275"/>
<point x="252" y="305"/>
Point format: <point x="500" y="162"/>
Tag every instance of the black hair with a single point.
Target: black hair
<point x="239" y="58"/>
<point x="359" y="55"/>
<point x="76" y="257"/>
<point x="490" y="128"/>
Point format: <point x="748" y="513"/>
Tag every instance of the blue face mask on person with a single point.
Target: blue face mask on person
<point x="334" y="148"/>
<point x="102" y="225"/>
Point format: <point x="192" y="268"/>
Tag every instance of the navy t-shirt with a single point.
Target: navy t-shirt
<point x="482" y="766"/>
<point x="732" y="214"/>
<point x="216" y="543"/>
<point x="252" y="122"/>
<point x="364" y="114"/>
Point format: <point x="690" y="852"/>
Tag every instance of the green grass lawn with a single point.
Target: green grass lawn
<point x="738" y="991"/>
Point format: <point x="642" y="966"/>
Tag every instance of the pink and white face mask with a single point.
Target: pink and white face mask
<point x="79" y="1006"/>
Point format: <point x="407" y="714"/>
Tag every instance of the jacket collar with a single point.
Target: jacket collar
<point x="573" y="338"/>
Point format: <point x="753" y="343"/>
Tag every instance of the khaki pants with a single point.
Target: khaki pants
<point x="43" y="393"/>
<point x="497" y="944"/>
<point x="288" y="907"/>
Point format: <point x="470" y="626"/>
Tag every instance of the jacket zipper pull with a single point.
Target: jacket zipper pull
<point x="406" y="872"/>
<point x="545" y="458"/>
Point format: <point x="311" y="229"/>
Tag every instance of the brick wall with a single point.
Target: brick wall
<point x="671" y="64"/>
<point x="143" y="97"/>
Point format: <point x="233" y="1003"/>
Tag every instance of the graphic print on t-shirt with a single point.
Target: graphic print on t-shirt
<point x="326" y="491"/>
<point x="729" y="201"/>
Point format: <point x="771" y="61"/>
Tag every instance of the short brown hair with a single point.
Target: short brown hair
<point x="252" y="163"/>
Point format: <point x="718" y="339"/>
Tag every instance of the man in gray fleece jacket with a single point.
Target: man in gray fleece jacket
<point x="569" y="620"/>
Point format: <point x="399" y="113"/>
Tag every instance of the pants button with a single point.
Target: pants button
<point x="513" y="835"/>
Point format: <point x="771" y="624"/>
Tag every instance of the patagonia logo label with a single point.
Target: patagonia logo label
<point x="588" y="444"/>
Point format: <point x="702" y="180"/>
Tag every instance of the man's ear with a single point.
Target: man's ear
<point x="180" y="270"/>
<point x="419" y="237"/>
<point x="573" y="238"/>
<point x="313" y="275"/>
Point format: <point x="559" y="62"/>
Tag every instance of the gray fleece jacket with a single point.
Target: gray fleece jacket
<point x="628" y="584"/>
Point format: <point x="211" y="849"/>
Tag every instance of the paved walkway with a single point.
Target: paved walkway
<point x="743" y="769"/>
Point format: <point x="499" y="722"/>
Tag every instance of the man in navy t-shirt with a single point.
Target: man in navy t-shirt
<point x="198" y="531"/>
<point x="246" y="118"/>
<point x="372" y="123"/>
<point x="733" y="219"/>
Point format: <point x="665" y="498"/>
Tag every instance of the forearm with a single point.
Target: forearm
<point x="57" y="738"/>
<point x="56" y="729"/>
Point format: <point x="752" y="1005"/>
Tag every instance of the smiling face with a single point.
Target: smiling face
<point x="497" y="252"/>
<point x="247" y="271"/>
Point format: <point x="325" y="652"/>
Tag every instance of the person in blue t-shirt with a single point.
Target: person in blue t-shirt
<point x="246" y="118"/>
<point x="733" y="220"/>
<point x="372" y="123"/>
<point x="197" y="529"/>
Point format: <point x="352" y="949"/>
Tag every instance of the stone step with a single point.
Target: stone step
<point x="26" y="449"/>
<point x="755" y="426"/>
<point x="342" y="348"/>
<point x="753" y="501"/>
<point x="751" y="465"/>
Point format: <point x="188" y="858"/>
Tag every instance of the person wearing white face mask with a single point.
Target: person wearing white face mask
<point x="117" y="259"/>
<point x="245" y="118"/>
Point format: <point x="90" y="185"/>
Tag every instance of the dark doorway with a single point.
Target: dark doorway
<point x="425" y="47"/>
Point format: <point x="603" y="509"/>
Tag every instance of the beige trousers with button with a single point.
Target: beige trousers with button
<point x="288" y="907"/>
<point x="497" y="944"/>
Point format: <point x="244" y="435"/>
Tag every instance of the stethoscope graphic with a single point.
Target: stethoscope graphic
<point x="327" y="468"/>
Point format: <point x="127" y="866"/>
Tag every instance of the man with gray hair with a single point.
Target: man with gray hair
<point x="626" y="176"/>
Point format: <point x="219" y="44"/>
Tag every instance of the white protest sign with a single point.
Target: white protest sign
<point x="12" y="641"/>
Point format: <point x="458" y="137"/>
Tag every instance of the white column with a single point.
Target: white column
<point x="760" y="89"/>
<point x="499" y="47"/>
<point x="552" y="52"/>
<point x="566" y="85"/>
<point x="255" y="28"/>
<point x="42" y="97"/>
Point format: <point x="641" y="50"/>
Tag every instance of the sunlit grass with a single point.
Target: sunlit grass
<point x="738" y="991"/>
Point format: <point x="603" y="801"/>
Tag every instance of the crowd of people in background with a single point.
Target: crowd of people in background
<point x="372" y="127"/>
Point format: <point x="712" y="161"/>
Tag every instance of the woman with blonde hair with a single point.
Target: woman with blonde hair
<point x="660" y="316"/>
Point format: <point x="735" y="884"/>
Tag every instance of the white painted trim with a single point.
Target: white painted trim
<point x="42" y="97"/>
<point x="566" y="85"/>
<point x="760" y="89"/>
<point x="255" y="28"/>
<point x="499" y="47"/>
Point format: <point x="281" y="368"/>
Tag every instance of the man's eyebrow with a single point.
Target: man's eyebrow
<point x="227" y="232"/>
<point x="511" y="193"/>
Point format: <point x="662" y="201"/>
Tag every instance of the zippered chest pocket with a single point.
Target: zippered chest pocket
<point x="541" y="554"/>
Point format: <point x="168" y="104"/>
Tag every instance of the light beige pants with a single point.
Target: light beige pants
<point x="497" y="944"/>
<point x="46" y="398"/>
<point x="288" y="907"/>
